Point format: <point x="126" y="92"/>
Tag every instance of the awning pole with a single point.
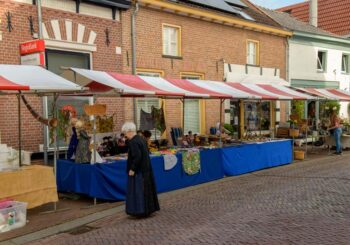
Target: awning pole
<point x="19" y="130"/>
<point x="220" y="127"/>
<point x="93" y="98"/>
<point x="183" y="117"/>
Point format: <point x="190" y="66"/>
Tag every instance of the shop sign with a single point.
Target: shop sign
<point x="31" y="47"/>
<point x="33" y="59"/>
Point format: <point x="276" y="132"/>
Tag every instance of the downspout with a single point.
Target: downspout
<point x="133" y="47"/>
<point x="289" y="104"/>
<point x="44" y="99"/>
<point x="40" y="21"/>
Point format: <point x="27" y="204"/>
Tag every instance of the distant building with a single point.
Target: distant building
<point x="333" y="15"/>
<point x="316" y="58"/>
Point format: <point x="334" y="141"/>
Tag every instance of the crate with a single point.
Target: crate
<point x="13" y="215"/>
<point x="299" y="155"/>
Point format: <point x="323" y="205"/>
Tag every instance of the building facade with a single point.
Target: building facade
<point x="174" y="39"/>
<point x="316" y="58"/>
<point x="83" y="35"/>
<point x="333" y="16"/>
<point x="190" y="41"/>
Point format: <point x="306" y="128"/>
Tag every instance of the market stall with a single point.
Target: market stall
<point x="107" y="179"/>
<point x="32" y="184"/>
<point x="255" y="156"/>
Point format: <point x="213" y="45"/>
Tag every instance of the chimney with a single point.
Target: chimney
<point x="313" y="12"/>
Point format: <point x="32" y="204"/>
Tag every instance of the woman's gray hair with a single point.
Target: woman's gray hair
<point x="129" y="127"/>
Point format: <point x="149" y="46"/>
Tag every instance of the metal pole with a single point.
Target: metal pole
<point x="94" y="134"/>
<point x="40" y="27"/>
<point x="183" y="116"/>
<point x="55" y="113"/>
<point x="19" y="131"/>
<point x="220" y="140"/>
<point x="133" y="47"/>
<point x="46" y="130"/>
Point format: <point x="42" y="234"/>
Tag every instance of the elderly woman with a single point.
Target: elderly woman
<point x="141" y="197"/>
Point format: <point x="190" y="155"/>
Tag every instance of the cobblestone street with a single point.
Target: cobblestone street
<point x="302" y="203"/>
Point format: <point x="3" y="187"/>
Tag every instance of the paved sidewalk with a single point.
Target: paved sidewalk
<point x="302" y="203"/>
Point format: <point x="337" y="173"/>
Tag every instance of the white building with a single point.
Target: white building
<point x="316" y="58"/>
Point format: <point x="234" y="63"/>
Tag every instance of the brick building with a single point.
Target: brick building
<point x="204" y="39"/>
<point x="75" y="35"/>
<point x="175" y="39"/>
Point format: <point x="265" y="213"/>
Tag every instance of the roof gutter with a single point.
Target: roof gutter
<point x="323" y="37"/>
<point x="213" y="17"/>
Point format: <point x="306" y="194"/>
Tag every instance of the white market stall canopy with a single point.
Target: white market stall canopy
<point x="133" y="85"/>
<point x="33" y="79"/>
<point x="328" y="93"/>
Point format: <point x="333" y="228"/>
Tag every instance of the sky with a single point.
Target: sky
<point x="273" y="4"/>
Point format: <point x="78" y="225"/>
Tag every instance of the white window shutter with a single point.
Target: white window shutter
<point x="192" y="114"/>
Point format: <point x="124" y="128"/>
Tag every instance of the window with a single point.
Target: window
<point x="171" y="40"/>
<point x="345" y="63"/>
<point x="321" y="61"/>
<point x="192" y="76"/>
<point x="257" y="116"/>
<point x="146" y="104"/>
<point x="192" y="111"/>
<point x="55" y="59"/>
<point x="252" y="52"/>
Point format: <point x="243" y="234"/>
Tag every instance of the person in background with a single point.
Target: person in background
<point x="122" y="146"/>
<point x="336" y="130"/>
<point x="141" y="197"/>
<point x="190" y="138"/>
<point x="140" y="132"/>
<point x="147" y="135"/>
<point x="73" y="143"/>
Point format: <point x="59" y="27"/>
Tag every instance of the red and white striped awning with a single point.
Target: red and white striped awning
<point x="132" y="85"/>
<point x="271" y="92"/>
<point x="34" y="79"/>
<point x="328" y="93"/>
<point x="6" y="84"/>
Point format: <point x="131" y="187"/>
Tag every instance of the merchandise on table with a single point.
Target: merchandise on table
<point x="13" y="215"/>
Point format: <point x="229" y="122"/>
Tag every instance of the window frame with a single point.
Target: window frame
<point x="45" y="99"/>
<point x="347" y="68"/>
<point x="324" y="69"/>
<point x="193" y="74"/>
<point x="150" y="71"/>
<point x="179" y="38"/>
<point x="201" y="103"/>
<point x="160" y="101"/>
<point x="257" y="55"/>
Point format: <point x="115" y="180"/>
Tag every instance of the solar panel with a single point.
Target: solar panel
<point x="236" y="3"/>
<point x="224" y="6"/>
<point x="217" y="4"/>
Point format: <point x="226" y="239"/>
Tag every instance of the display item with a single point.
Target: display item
<point x="159" y="119"/>
<point x="191" y="162"/>
<point x="83" y="153"/>
<point x="146" y="121"/>
<point x="170" y="161"/>
<point x="73" y="143"/>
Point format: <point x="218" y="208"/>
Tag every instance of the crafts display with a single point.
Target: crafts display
<point x="191" y="161"/>
<point x="13" y="215"/>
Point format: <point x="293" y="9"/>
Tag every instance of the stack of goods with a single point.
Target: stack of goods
<point x="13" y="215"/>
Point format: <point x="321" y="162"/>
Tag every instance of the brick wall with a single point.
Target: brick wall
<point x="104" y="58"/>
<point x="203" y="45"/>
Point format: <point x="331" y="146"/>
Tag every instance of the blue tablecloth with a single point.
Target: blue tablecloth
<point x="108" y="181"/>
<point x="256" y="156"/>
